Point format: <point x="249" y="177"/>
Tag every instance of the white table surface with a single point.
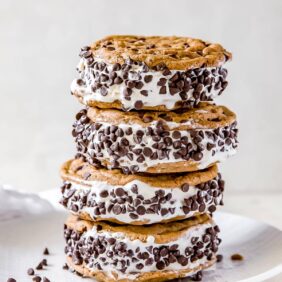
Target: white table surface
<point x="265" y="207"/>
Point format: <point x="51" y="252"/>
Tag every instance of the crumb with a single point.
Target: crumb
<point x="237" y="257"/>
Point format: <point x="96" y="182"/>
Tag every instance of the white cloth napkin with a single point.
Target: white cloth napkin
<point x="15" y="204"/>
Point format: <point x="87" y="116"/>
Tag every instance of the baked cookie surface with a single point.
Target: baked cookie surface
<point x="156" y="142"/>
<point x="151" y="73"/>
<point x="99" y="194"/>
<point x="159" y="252"/>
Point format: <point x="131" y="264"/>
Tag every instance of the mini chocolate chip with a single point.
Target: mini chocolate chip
<point x="141" y="210"/>
<point x="116" y="209"/>
<point x="176" y="134"/>
<point x="46" y="251"/>
<point x="164" y="252"/>
<point x="11" y="280"/>
<point x="212" y="209"/>
<point x="147" y="152"/>
<point x="139" y="266"/>
<point x="148" y="78"/>
<point x="134" y="189"/>
<point x="173" y="90"/>
<point x="120" y="192"/>
<point x="160" y="265"/>
<point x="44" y="262"/>
<point x="149" y="261"/>
<point x="147" y="119"/>
<point x="186" y="209"/>
<point x="36" y="279"/>
<point x="65" y="267"/>
<point x="127" y="92"/>
<point x="144" y="92"/>
<point x="45" y="279"/>
<point x="185" y="187"/>
<point x="219" y="258"/>
<point x="30" y="271"/>
<point x="118" y="80"/>
<point x="111" y="241"/>
<point x="104" y="194"/>
<point x="39" y="266"/>
<point x="138" y="105"/>
<point x="162" y="90"/>
<point x="197" y="156"/>
<point x="133" y="215"/>
<point x="162" y="81"/>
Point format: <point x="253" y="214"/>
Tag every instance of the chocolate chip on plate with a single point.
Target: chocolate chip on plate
<point x="30" y="271"/>
<point x="46" y="251"/>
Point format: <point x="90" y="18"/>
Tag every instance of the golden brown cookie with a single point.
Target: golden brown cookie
<point x="125" y="253"/>
<point x="99" y="194"/>
<point x="151" y="73"/>
<point x="156" y="142"/>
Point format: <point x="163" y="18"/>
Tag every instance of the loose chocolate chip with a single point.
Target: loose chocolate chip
<point x="46" y="251"/>
<point x="148" y="78"/>
<point x="36" y="279"/>
<point x="185" y="187"/>
<point x="138" y="105"/>
<point x="30" y="271"/>
<point x="44" y="262"/>
<point x="39" y="266"/>
<point x="198" y="276"/>
<point x="45" y="279"/>
<point x="219" y="258"/>
<point x="65" y="267"/>
<point x="11" y="280"/>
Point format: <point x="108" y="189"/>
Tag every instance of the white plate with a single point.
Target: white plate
<point x="22" y="242"/>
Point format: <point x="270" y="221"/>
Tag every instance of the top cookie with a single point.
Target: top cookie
<point x="177" y="53"/>
<point x="164" y="73"/>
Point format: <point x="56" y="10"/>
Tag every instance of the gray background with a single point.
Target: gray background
<point x="39" y="48"/>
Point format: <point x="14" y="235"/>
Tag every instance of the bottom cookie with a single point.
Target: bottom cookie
<point x="159" y="252"/>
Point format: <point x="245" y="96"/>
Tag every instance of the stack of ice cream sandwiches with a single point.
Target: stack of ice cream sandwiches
<point x="144" y="182"/>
